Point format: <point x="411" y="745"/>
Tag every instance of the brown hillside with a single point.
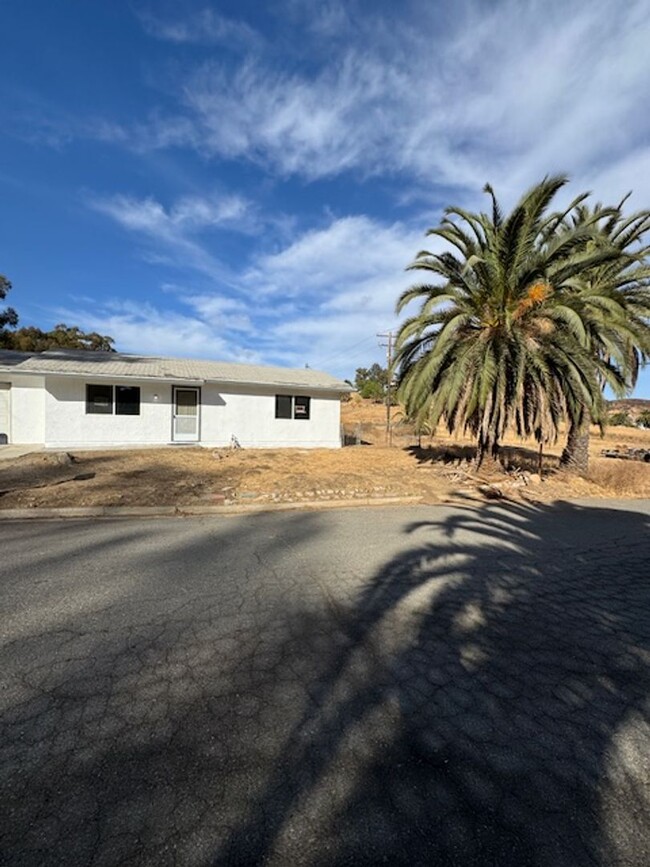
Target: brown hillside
<point x="633" y="406"/>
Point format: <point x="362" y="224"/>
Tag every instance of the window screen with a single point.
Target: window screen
<point x="127" y="400"/>
<point x="283" y="406"/>
<point x="301" y="407"/>
<point x="99" y="399"/>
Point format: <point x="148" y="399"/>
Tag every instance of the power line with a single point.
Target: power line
<point x="345" y="351"/>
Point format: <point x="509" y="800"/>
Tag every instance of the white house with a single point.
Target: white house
<point x="70" y="398"/>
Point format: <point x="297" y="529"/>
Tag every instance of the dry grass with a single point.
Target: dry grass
<point x="607" y="476"/>
<point x="439" y="471"/>
<point x="618" y="478"/>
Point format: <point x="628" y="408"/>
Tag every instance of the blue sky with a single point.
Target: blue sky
<point x="247" y="181"/>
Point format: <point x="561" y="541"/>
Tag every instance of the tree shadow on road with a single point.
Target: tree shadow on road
<point x="487" y="706"/>
<point x="481" y="699"/>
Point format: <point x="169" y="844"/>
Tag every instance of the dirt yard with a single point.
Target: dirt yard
<point x="440" y="470"/>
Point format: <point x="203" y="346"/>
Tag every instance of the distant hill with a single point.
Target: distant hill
<point x="633" y="406"/>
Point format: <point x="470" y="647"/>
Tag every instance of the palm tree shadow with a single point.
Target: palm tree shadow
<point x="480" y="702"/>
<point x="455" y="454"/>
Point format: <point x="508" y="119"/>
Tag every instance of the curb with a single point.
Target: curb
<point x="194" y="511"/>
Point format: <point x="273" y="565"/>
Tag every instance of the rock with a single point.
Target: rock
<point x="62" y="458"/>
<point x="534" y="478"/>
<point x="491" y="492"/>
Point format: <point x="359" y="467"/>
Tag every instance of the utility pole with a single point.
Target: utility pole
<point x="388" y="336"/>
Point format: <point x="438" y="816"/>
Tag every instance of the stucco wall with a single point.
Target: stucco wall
<point x="244" y="413"/>
<point x="26" y="408"/>
<point x="67" y="424"/>
<point x="250" y="417"/>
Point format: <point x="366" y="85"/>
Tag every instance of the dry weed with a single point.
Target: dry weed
<point x="621" y="478"/>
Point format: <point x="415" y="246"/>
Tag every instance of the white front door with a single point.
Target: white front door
<point x="185" y="427"/>
<point x="5" y="416"/>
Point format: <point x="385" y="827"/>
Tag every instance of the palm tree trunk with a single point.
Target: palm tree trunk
<point x="575" y="456"/>
<point x="487" y="455"/>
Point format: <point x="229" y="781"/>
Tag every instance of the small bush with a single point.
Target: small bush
<point x="372" y="390"/>
<point x="617" y="419"/>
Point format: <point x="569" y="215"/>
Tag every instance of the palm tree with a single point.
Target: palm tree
<point x="494" y="344"/>
<point x="614" y="300"/>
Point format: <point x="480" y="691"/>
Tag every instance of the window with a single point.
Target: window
<point x="127" y="400"/>
<point x="288" y="406"/>
<point x="301" y="407"/>
<point x="283" y="406"/>
<point x="99" y="399"/>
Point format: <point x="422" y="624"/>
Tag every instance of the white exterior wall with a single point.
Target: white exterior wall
<point x="243" y="412"/>
<point x="68" y="425"/>
<point x="26" y="408"/>
<point x="250" y="416"/>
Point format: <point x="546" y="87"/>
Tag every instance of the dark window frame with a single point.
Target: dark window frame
<point x="283" y="406"/>
<point x="111" y="396"/>
<point x="305" y="402"/>
<point x="129" y="407"/>
<point x="94" y="408"/>
<point x="289" y="406"/>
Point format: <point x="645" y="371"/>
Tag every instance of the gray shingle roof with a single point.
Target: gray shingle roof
<point x="106" y="364"/>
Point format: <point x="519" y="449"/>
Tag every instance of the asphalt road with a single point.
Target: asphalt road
<point x="421" y="686"/>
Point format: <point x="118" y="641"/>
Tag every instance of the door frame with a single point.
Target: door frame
<point x="197" y="389"/>
<point x="5" y="387"/>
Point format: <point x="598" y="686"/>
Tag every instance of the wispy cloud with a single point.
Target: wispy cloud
<point x="327" y="290"/>
<point x="433" y="101"/>
<point x="499" y="92"/>
<point x="495" y="92"/>
<point x="175" y="231"/>
<point x="202" y="27"/>
<point x="189" y="213"/>
<point x="328" y="19"/>
<point x="228" y="315"/>
<point x="342" y="281"/>
<point x="152" y="330"/>
<point x="36" y="119"/>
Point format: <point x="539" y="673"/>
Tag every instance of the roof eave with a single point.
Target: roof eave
<point x="174" y="380"/>
<point x="286" y="385"/>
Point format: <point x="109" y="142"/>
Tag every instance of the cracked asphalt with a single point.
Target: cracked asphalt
<point x="401" y="686"/>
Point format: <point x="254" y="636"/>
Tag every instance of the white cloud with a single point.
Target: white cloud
<point x="320" y="299"/>
<point x="294" y="124"/>
<point x="221" y="312"/>
<point x="204" y="27"/>
<point x="505" y="92"/>
<point x="175" y="230"/>
<point x="343" y="280"/>
<point x="347" y="251"/>
<point x="189" y="213"/>
<point x="149" y="330"/>
<point x="501" y="92"/>
<point x="612" y="182"/>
